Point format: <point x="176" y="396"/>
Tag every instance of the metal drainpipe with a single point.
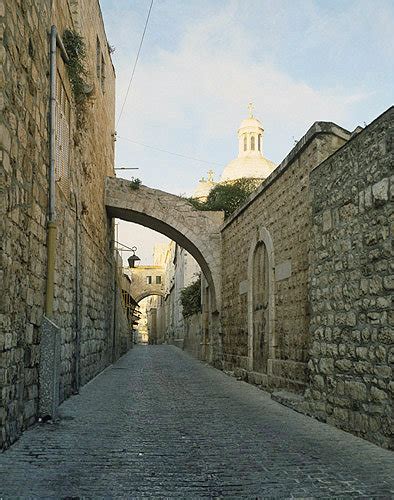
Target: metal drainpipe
<point x="52" y="225"/>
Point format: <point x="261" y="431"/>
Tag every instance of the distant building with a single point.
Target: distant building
<point x="204" y="187"/>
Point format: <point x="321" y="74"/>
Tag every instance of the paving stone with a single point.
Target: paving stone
<point x="158" y="423"/>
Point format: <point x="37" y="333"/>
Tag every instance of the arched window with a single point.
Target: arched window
<point x="260" y="292"/>
<point x="261" y="302"/>
<point x="259" y="143"/>
<point x="245" y="143"/>
<point x="252" y="143"/>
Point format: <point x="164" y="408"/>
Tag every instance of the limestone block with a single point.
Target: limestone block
<point x="388" y="282"/>
<point x="380" y="192"/>
<point x="283" y="270"/>
<point x="356" y="390"/>
<point x="343" y="364"/>
<point x="243" y="287"/>
<point x="378" y="395"/>
<point x="340" y="415"/>
<point x="326" y="365"/>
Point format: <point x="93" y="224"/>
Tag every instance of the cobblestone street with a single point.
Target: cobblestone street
<point x="159" y="423"/>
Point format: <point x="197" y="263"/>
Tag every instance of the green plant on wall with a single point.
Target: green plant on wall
<point x="135" y="183"/>
<point x="229" y="196"/>
<point x="77" y="73"/>
<point x="191" y="298"/>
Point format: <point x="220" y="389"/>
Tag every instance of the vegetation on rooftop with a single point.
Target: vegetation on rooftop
<point x="135" y="183"/>
<point x="228" y="196"/>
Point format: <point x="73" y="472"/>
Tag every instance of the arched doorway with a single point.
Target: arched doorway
<point x="261" y="302"/>
<point x="150" y="327"/>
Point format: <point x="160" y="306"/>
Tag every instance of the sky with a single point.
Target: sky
<point x="202" y="61"/>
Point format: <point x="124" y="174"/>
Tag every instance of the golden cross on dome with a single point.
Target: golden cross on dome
<point x="251" y="108"/>
<point x="211" y="173"/>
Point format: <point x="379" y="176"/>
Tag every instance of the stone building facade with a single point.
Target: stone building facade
<point x="265" y="247"/>
<point x="298" y="284"/>
<point x="307" y="304"/>
<point x="85" y="279"/>
<point x="145" y="281"/>
<point x="166" y="323"/>
<point x="351" y="285"/>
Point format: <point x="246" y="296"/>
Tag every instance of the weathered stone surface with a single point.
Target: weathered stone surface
<point x="84" y="275"/>
<point x="210" y="436"/>
<point x="281" y="207"/>
<point x="350" y="288"/>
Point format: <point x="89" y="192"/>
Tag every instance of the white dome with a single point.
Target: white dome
<point x="251" y="167"/>
<point x="202" y="190"/>
<point x="250" y="162"/>
<point x="250" y="122"/>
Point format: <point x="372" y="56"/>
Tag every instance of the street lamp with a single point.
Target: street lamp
<point x="133" y="258"/>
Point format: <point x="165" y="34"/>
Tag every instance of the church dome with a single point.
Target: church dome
<point x="250" y="162"/>
<point x="204" y="187"/>
<point x="254" y="168"/>
<point x="250" y="122"/>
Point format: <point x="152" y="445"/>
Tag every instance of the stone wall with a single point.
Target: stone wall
<point x="84" y="282"/>
<point x="351" y="285"/>
<point x="193" y="336"/>
<point x="275" y="222"/>
<point x="124" y="312"/>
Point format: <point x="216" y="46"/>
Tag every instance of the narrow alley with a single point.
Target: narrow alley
<point x="159" y="423"/>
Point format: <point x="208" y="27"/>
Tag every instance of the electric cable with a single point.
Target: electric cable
<point x="170" y="152"/>
<point x="135" y="63"/>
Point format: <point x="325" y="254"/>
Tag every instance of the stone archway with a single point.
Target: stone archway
<point x="147" y="293"/>
<point x="145" y="281"/>
<point x="154" y="326"/>
<point x="198" y="232"/>
<point x="261" y="303"/>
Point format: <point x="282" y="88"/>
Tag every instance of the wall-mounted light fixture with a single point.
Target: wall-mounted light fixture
<point x="133" y="259"/>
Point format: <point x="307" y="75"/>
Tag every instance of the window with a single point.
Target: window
<point x="259" y="143"/>
<point x="252" y="143"/>
<point x="62" y="135"/>
<point x="98" y="59"/>
<point x="149" y="280"/>
<point x="245" y="143"/>
<point x="158" y="280"/>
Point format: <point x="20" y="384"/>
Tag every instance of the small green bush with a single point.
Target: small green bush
<point x="229" y="196"/>
<point x="191" y="298"/>
<point x="135" y="183"/>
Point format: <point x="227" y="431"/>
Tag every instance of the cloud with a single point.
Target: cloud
<point x="202" y="87"/>
<point x="202" y="62"/>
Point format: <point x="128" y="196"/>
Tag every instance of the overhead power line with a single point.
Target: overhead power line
<point x="170" y="152"/>
<point x="135" y="63"/>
